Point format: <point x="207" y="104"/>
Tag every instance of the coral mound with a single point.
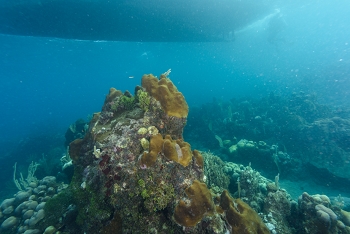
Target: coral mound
<point x="134" y="173"/>
<point x="178" y="151"/>
<point x="241" y="217"/>
<point x="201" y="204"/>
<point x="156" y="144"/>
<point x="164" y="91"/>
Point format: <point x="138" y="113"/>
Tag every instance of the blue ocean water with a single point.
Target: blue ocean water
<point x="48" y="83"/>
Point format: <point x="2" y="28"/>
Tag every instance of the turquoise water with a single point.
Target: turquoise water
<point x="49" y="83"/>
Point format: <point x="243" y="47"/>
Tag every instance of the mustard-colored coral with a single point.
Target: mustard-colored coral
<point x="113" y="93"/>
<point x="241" y="217"/>
<point x="155" y="146"/>
<point x="199" y="158"/>
<point x="175" y="150"/>
<point x="178" y="151"/>
<point x="163" y="90"/>
<point x="201" y="204"/>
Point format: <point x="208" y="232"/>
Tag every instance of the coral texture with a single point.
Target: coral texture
<point x="134" y="173"/>
<point x="164" y="91"/>
<point x="200" y="204"/>
<point x="135" y="165"/>
<point x="241" y="217"/>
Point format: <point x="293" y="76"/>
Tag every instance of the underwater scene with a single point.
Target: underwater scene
<point x="175" y="116"/>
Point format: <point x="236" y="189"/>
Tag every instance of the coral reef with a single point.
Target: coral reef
<point x="133" y="170"/>
<point x="76" y="130"/>
<point x="292" y="135"/>
<point x="163" y="90"/>
<point x="135" y="173"/>
<point x="26" y="211"/>
<point x="241" y="217"/>
<point x="317" y="214"/>
<point x="200" y="204"/>
<point x="215" y="177"/>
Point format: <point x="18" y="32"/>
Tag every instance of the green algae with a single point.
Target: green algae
<point x="144" y="99"/>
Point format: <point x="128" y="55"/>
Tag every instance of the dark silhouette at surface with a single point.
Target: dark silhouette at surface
<point x="132" y="20"/>
<point x="275" y="27"/>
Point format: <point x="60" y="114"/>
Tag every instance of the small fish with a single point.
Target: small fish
<point x="131" y="77"/>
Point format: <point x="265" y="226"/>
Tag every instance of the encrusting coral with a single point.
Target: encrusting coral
<point x="198" y="158"/>
<point x="175" y="150"/>
<point x="241" y="217"/>
<point x="178" y="151"/>
<point x="201" y="204"/>
<point x="164" y="91"/>
<point x="155" y="146"/>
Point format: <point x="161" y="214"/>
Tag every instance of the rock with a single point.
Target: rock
<point x="9" y="223"/>
<point x="22" y="196"/>
<point x="32" y="231"/>
<point x="334" y="131"/>
<point x="322" y="208"/>
<point x="49" y="181"/>
<point x="40" y="206"/>
<point x="27" y="205"/>
<point x="50" y="230"/>
<point x="31" y="205"/>
<point x="345" y="217"/>
<point x="22" y="229"/>
<point x="42" y="187"/>
<point x="51" y="190"/>
<point x="6" y="203"/>
<point x="33" y="184"/>
<point x="20" y="208"/>
<point x="28" y="214"/>
<point x="36" y="218"/>
<point x="8" y="210"/>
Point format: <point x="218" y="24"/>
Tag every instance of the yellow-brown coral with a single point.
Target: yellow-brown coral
<point x="155" y="146"/>
<point x="201" y="204"/>
<point x="163" y="90"/>
<point x="113" y="93"/>
<point x="242" y="218"/>
<point x="199" y="158"/>
<point x="178" y="151"/>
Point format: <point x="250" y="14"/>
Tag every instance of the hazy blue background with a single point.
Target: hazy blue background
<point x="46" y="84"/>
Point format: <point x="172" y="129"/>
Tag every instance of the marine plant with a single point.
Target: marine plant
<point x="124" y="102"/>
<point x="144" y="99"/>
